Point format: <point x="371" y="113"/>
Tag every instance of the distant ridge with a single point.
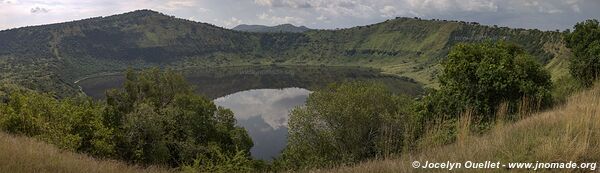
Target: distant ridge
<point x="271" y="29"/>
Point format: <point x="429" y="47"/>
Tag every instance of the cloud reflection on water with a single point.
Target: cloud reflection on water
<point x="272" y="105"/>
<point x="265" y="113"/>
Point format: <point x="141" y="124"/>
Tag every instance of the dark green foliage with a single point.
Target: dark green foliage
<point x="161" y="121"/>
<point x="73" y="124"/>
<point x="584" y="41"/>
<point x="479" y="77"/>
<point x="345" y="123"/>
<point x="155" y="119"/>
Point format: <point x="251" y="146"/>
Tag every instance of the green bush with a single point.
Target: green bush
<point x="155" y="119"/>
<point x="345" y="123"/>
<point x="159" y="120"/>
<point x="74" y="124"/>
<point x="584" y="42"/>
<point x="479" y="77"/>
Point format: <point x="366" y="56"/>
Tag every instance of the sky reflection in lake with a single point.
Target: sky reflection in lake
<point x="264" y="113"/>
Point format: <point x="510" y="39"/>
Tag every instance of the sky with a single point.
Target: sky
<point x="320" y="14"/>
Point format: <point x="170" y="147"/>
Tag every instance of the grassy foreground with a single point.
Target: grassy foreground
<point x="566" y="133"/>
<point x="23" y="154"/>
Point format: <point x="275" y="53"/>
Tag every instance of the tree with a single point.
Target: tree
<point x="345" y="123"/>
<point x="74" y="124"/>
<point x="159" y="120"/>
<point x="481" y="76"/>
<point x="584" y="42"/>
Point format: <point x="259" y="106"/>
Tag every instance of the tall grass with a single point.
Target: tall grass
<point x="22" y="154"/>
<point x="569" y="132"/>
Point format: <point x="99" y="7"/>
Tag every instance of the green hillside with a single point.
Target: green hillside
<point x="50" y="58"/>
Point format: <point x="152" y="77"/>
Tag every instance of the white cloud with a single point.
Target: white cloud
<point x="231" y="22"/>
<point x="179" y="4"/>
<point x="382" y="8"/>
<point x="574" y="5"/>
<point x="546" y="8"/>
<point x="281" y="20"/>
<point x="322" y="18"/>
<point x="264" y="2"/>
<point x="284" y="3"/>
<point x="431" y="7"/>
<point x="388" y="11"/>
<point x="355" y="8"/>
<point x="39" y="10"/>
<point x="576" y="8"/>
<point x="6" y="2"/>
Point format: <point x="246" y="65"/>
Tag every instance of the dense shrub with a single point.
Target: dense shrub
<point x="74" y="124"/>
<point x="159" y="120"/>
<point x="584" y="42"/>
<point x="345" y="123"/>
<point x="479" y="77"/>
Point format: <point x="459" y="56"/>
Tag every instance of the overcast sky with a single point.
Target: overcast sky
<point x="325" y="14"/>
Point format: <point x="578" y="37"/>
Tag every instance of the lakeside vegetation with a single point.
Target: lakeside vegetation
<point x="154" y="119"/>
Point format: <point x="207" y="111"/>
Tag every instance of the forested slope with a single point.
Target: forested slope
<point x="51" y="57"/>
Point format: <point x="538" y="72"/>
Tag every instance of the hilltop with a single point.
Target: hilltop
<point x="50" y="58"/>
<point x="271" y="29"/>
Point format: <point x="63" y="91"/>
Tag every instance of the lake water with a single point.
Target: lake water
<point x="265" y="113"/>
<point x="218" y="82"/>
